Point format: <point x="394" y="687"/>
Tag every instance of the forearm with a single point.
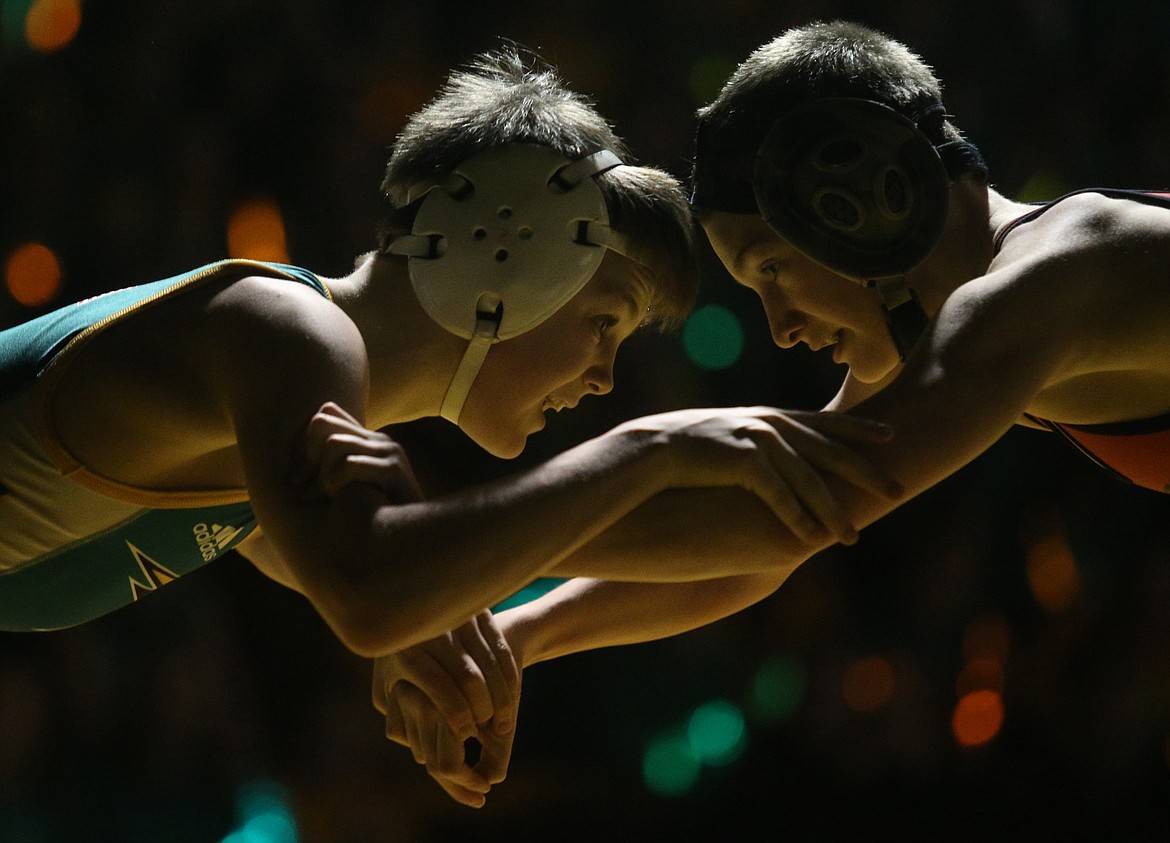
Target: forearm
<point x="586" y="614"/>
<point x="723" y="547"/>
<point x="394" y="574"/>
<point x="714" y="492"/>
<point x="979" y="367"/>
<point x="690" y="534"/>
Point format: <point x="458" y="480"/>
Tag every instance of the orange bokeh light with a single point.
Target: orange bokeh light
<point x="256" y="232"/>
<point x="977" y="718"/>
<point x="52" y="24"/>
<point x="868" y="684"/>
<point x="1052" y="573"/>
<point x="32" y="274"/>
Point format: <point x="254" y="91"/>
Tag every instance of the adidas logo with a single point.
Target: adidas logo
<point x="154" y="575"/>
<point x="213" y="539"/>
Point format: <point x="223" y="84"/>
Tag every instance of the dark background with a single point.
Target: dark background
<point x="126" y="151"/>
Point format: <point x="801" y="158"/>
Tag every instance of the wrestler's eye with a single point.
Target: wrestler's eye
<point x="772" y="269"/>
<point x="603" y="324"/>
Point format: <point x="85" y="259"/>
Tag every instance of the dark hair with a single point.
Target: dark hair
<point x="798" y="67"/>
<point x="511" y="96"/>
<point x="837" y="59"/>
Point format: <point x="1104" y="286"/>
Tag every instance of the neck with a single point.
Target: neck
<point x="966" y="249"/>
<point x="411" y="358"/>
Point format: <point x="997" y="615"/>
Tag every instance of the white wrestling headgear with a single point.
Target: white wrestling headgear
<point x="500" y="244"/>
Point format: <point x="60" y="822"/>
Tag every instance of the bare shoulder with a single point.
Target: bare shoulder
<point x="1095" y="235"/>
<point x="274" y="307"/>
<point x="1094" y="263"/>
<point x="285" y="340"/>
<point x="1081" y="293"/>
<point x="158" y="399"/>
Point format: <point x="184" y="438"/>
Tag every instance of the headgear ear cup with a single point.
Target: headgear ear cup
<point x="854" y="185"/>
<point x="506" y="239"/>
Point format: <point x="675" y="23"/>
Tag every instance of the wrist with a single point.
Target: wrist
<point x="520" y="627"/>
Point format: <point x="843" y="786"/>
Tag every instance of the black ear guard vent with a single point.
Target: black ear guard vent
<point x="854" y="185"/>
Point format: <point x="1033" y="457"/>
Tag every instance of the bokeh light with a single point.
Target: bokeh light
<point x="984" y="673"/>
<point x="708" y="74"/>
<point x="713" y="337"/>
<point x="51" y="24"/>
<point x="256" y="232"/>
<point x="777" y="689"/>
<point x="124" y="146"/>
<point x="868" y="684"/>
<point x="1052" y="572"/>
<point x="265" y="814"/>
<point x="716" y="732"/>
<point x="530" y="592"/>
<point x="669" y="768"/>
<point x="977" y="718"/>
<point x="987" y="635"/>
<point x="1042" y="186"/>
<point x="32" y="274"/>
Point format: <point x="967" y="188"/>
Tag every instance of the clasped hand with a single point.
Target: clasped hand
<point x="465" y="684"/>
<point x="438" y="695"/>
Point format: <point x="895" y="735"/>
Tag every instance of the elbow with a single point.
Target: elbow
<point x="383" y="597"/>
<point x="368" y="645"/>
<point x="370" y="619"/>
<point x="371" y="634"/>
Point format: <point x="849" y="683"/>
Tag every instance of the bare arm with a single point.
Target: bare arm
<point x="386" y="574"/>
<point x="975" y="372"/>
<point x="980" y="366"/>
<point x="428" y="692"/>
<point x="709" y="528"/>
<point x="586" y="614"/>
<point x="1072" y="321"/>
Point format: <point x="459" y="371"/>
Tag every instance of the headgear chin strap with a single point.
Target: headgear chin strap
<point x="852" y="184"/>
<point x="502" y="243"/>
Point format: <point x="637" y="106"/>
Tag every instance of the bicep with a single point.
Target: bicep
<point x="299" y="354"/>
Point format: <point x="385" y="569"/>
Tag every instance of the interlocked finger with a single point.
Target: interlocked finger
<point x="496" y="666"/>
<point x="461" y="664"/>
<point x="427" y="671"/>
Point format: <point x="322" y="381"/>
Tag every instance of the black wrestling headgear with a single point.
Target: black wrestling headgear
<point x="851" y="183"/>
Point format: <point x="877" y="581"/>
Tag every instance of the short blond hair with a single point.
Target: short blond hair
<point x="511" y="96"/>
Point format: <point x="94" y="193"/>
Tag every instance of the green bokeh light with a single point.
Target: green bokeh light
<point x="713" y="337"/>
<point x="12" y="17"/>
<point x="777" y="689"/>
<point x="716" y="732"/>
<point x="1043" y="186"/>
<point x="265" y="814"/>
<point x="669" y="768"/>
